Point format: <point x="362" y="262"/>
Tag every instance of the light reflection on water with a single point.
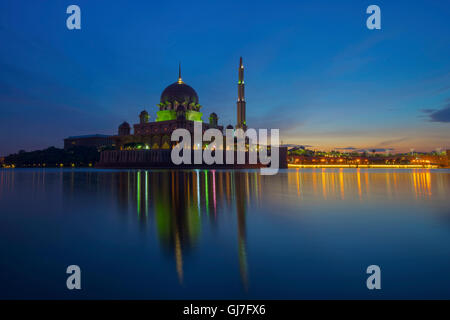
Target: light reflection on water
<point x="224" y="234"/>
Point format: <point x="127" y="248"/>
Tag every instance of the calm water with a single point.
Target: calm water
<point x="225" y="234"/>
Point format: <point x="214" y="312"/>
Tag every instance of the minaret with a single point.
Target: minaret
<point x="241" y="123"/>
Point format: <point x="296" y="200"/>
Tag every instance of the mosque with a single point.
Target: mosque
<point x="179" y="107"/>
<point x="150" y="145"/>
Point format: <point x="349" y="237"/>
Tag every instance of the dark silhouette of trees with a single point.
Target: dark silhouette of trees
<point x="52" y="157"/>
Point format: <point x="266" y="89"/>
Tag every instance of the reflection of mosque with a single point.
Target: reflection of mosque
<point x="177" y="200"/>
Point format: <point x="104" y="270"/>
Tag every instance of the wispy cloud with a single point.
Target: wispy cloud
<point x="274" y="119"/>
<point x="439" y="115"/>
<point x="347" y="148"/>
<point x="354" y="56"/>
<point x="390" y="142"/>
<point x="442" y="115"/>
<point x="290" y="145"/>
<point x="376" y="150"/>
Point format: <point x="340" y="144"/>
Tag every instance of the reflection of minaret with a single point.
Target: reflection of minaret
<point x="179" y="257"/>
<point x="241" y="122"/>
<point x="242" y="241"/>
<point x="177" y="216"/>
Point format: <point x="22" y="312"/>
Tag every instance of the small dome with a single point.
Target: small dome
<point x="213" y="115"/>
<point x="229" y="126"/>
<point x="124" y="125"/>
<point x="144" y="112"/>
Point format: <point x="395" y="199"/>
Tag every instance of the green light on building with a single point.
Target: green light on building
<point x="166" y="115"/>
<point x="194" y="115"/>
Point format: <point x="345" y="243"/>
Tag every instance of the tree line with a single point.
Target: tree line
<point x="53" y="157"/>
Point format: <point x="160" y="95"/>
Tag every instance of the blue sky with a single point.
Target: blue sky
<point x="313" y="69"/>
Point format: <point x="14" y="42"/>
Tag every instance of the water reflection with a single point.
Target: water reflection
<point x="340" y="183"/>
<point x="181" y="205"/>
<point x="178" y="202"/>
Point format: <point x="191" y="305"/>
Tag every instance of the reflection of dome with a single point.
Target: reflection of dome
<point x="180" y="92"/>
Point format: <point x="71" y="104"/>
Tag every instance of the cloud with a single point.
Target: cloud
<point x="290" y="145"/>
<point x="442" y="115"/>
<point x="347" y="148"/>
<point x="391" y="141"/>
<point x="355" y="56"/>
<point x="274" y="119"/>
<point x="439" y="115"/>
<point x="375" y="150"/>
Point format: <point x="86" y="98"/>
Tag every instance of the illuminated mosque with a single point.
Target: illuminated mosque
<point x="179" y="107"/>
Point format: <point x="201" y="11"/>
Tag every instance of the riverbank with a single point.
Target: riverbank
<point x="383" y="166"/>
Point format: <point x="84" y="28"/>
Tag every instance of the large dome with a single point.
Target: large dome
<point x="179" y="91"/>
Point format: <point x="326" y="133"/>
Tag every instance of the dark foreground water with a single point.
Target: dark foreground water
<point x="224" y="234"/>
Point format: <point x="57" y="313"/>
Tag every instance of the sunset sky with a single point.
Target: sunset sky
<point x="312" y="69"/>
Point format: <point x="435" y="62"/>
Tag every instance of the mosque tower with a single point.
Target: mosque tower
<point x="241" y="123"/>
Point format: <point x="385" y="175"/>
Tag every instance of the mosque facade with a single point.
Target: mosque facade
<point x="179" y="107"/>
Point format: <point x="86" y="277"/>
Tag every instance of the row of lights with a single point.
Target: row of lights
<point x="7" y="166"/>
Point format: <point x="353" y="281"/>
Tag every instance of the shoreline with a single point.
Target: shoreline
<point x="236" y="168"/>
<point x="368" y="166"/>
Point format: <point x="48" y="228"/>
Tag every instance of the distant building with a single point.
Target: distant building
<point x="93" y="140"/>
